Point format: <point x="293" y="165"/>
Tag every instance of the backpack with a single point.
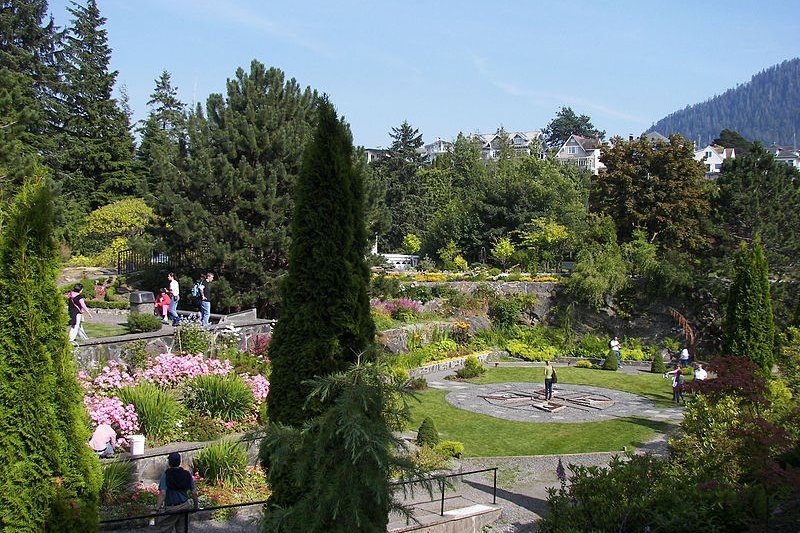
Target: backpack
<point x="196" y="290"/>
<point x="555" y="377"/>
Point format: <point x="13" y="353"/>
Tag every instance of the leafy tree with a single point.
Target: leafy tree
<point x="325" y="324"/>
<point x="732" y="139"/>
<point x="95" y="160"/>
<point x="567" y="123"/>
<point x="547" y="238"/>
<point x="231" y="200"/>
<point x="411" y="244"/>
<point x="502" y="250"/>
<point x="49" y="478"/>
<point x="600" y="274"/>
<point x="749" y="330"/>
<point x="403" y="191"/>
<point x="656" y="187"/>
<point x="758" y="195"/>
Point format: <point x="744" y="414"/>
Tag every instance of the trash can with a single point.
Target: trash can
<point x="137" y="444"/>
<point x="142" y="302"/>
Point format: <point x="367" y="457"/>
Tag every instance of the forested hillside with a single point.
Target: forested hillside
<point x="767" y="108"/>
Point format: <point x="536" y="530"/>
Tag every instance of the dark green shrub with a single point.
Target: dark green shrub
<point x="417" y="383"/>
<point x="505" y="312"/>
<point x="472" y="368"/>
<point x="224" y="462"/>
<point x="227" y="397"/>
<point x="427" y="435"/>
<point x="201" y="428"/>
<point x="192" y="339"/>
<point x="611" y="362"/>
<point x="384" y="287"/>
<point x="116" y="479"/>
<point x="421" y="293"/>
<point x="142" y="323"/>
<point x="450" y="448"/>
<point x="657" y="366"/>
<point x="157" y="409"/>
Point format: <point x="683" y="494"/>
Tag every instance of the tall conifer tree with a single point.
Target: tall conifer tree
<point x="49" y="478"/>
<point x="95" y="162"/>
<point x="749" y="329"/>
<point x="27" y="80"/>
<point x="325" y="324"/>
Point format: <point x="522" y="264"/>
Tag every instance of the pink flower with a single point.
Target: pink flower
<point x="259" y="385"/>
<point x="169" y="370"/>
<point x="110" y="410"/>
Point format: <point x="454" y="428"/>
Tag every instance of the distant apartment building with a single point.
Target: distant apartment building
<point x="582" y="152"/>
<point x="712" y="157"/>
<point x="788" y="155"/>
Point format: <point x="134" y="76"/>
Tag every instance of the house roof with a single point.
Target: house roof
<point x="654" y="136"/>
<point x="587" y="143"/>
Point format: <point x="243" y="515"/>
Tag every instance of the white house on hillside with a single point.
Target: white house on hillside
<point x="788" y="155"/>
<point x="523" y="142"/>
<point x="712" y="157"/>
<point x="436" y="148"/>
<point x="582" y="152"/>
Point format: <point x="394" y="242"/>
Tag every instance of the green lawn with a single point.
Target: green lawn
<point x="95" y="330"/>
<point x="486" y="436"/>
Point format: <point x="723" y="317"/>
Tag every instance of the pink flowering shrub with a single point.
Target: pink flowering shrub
<point x="259" y="385"/>
<point x="112" y="376"/>
<point x="399" y="308"/>
<point x="110" y="410"/>
<point x="169" y="370"/>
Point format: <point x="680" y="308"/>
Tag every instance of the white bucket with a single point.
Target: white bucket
<point x="137" y="444"/>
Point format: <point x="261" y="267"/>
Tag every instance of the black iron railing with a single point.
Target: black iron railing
<point x="441" y="481"/>
<point x="131" y="261"/>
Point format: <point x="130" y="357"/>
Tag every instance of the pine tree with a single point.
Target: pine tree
<point x="27" y="79"/>
<point x="403" y="191"/>
<point x="749" y="330"/>
<point x="49" y="478"/>
<point x="325" y="323"/>
<point x="163" y="136"/>
<point x="95" y="161"/>
<point x="229" y="197"/>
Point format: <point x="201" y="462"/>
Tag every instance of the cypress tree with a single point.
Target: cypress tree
<point x="49" y="478"/>
<point x="325" y="323"/>
<point x="749" y="329"/>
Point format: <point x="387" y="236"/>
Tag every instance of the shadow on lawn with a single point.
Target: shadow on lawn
<point x="658" y="426"/>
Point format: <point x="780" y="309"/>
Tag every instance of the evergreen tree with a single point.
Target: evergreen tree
<point x="49" y="478"/>
<point x="94" y="163"/>
<point x="403" y="191"/>
<point x="749" y="330"/>
<point x="758" y="195"/>
<point x="732" y="139"/>
<point x="325" y="324"/>
<point x="567" y="123"/>
<point x="163" y="136"/>
<point x="27" y="79"/>
<point x="231" y="197"/>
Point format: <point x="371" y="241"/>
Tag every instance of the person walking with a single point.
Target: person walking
<point x="205" y="300"/>
<point x="684" y="359"/>
<point x="175" y="488"/>
<point x="174" y="294"/>
<point x="549" y="374"/>
<point x="77" y="308"/>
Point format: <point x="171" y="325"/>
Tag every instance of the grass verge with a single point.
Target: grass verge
<point x="95" y="330"/>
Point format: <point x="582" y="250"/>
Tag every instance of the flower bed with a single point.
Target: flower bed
<point x="177" y="376"/>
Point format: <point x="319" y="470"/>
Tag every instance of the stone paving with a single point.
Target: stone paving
<point x="473" y="398"/>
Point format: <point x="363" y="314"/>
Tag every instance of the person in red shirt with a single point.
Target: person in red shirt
<point x="162" y="305"/>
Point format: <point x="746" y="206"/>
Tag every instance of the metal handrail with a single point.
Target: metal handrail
<point x="441" y="479"/>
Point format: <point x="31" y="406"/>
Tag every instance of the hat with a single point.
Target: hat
<point x="174" y="459"/>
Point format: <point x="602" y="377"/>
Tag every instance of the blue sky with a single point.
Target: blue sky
<point x="453" y="66"/>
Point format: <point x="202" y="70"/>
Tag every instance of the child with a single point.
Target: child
<point x="162" y="305"/>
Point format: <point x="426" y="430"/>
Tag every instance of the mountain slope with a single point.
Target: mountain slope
<point x="767" y="108"/>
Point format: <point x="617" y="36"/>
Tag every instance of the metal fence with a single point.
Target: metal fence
<point x="131" y="261"/>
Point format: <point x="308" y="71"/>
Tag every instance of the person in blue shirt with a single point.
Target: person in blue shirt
<point x="175" y="488"/>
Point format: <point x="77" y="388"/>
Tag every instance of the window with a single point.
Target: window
<point x="708" y="154"/>
<point x="572" y="149"/>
